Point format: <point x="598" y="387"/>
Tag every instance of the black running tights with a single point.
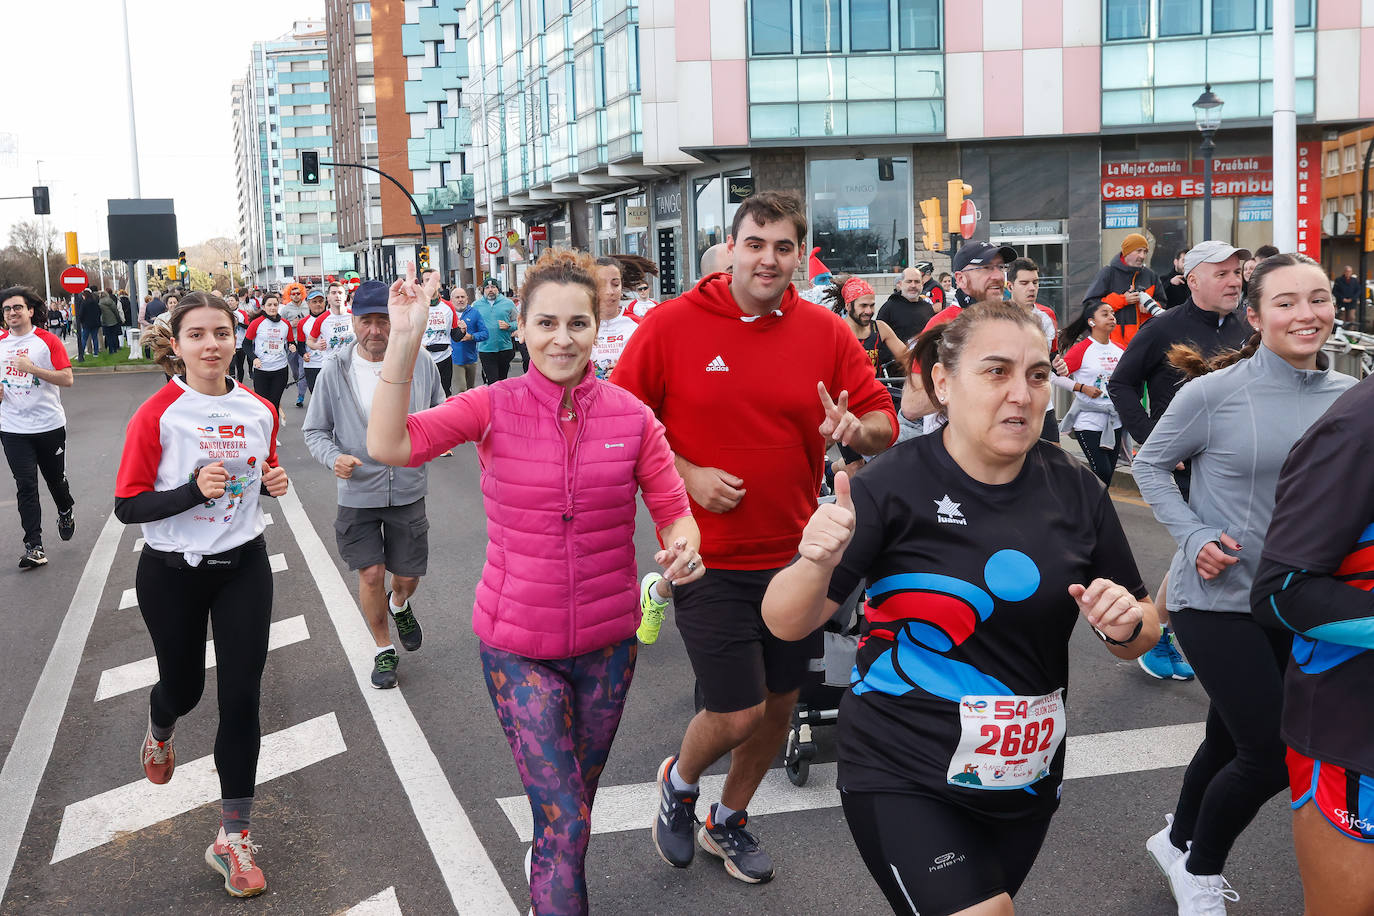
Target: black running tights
<point x="176" y="604"/>
<point x="270" y="384"/>
<point x="1240" y="764"/>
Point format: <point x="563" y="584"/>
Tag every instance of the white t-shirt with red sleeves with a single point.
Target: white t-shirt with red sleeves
<point x="29" y="404"/>
<point x="312" y="359"/>
<point x="179" y="430"/>
<point x="611" y="338"/>
<point x="335" y="330"/>
<point x="270" y="340"/>
<point x="1092" y="363"/>
<point x="443" y="318"/>
<point x="240" y="327"/>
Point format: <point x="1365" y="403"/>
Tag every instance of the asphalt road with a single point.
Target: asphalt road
<point x="371" y="791"/>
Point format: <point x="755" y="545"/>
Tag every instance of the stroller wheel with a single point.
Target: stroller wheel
<point x="798" y="770"/>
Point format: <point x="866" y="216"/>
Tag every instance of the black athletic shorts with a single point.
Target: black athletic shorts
<point x="736" y="660"/>
<point x="931" y="857"/>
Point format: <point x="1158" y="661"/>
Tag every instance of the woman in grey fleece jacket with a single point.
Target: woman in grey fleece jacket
<point x="1236" y="426"/>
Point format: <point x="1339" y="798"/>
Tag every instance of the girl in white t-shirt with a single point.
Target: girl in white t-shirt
<point x="197" y="457"/>
<point x="1092" y="419"/>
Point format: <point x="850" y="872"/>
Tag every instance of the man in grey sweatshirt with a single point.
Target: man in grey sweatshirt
<point x="381" y="525"/>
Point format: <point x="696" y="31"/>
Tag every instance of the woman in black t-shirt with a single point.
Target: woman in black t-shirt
<point x="980" y="547"/>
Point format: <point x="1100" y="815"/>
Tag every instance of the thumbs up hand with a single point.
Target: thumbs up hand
<point x="831" y="528"/>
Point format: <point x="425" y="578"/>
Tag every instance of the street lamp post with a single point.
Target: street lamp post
<point x="1207" y="114"/>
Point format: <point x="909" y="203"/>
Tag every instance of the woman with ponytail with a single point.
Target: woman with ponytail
<point x="1235" y="421"/>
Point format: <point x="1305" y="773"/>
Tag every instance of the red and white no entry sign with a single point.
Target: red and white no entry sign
<point x="492" y="245"/>
<point x="74" y="280"/>
<point x="968" y="219"/>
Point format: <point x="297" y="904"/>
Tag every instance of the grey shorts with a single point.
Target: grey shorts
<point x="396" y="536"/>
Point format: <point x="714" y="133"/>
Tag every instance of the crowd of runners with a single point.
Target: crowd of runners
<point x="977" y="540"/>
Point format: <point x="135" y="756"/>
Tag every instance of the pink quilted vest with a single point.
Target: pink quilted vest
<point x="559" y="580"/>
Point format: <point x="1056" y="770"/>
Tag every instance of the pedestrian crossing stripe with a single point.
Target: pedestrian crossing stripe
<point x="95" y="821"/>
<point x="382" y="904"/>
<point x="143" y="673"/>
<point x="631" y="807"/>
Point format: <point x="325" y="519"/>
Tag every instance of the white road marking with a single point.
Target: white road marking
<point x="383" y="904"/>
<point x="96" y="820"/>
<point x="631" y="807"/>
<point x="33" y="743"/>
<point x="473" y="882"/>
<point x="128" y="598"/>
<point x="267" y="518"/>
<point x="278" y="562"/>
<point x="143" y="673"/>
<point x="138" y="544"/>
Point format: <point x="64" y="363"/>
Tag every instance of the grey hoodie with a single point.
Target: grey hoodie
<point x="336" y="425"/>
<point x="1237" y="426"/>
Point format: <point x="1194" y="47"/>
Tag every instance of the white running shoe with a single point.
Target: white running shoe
<point x="1199" y="895"/>
<point x="1162" y="849"/>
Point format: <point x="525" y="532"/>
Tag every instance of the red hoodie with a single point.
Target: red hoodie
<point x="739" y="394"/>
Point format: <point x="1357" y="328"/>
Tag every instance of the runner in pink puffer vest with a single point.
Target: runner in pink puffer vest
<point x="562" y="454"/>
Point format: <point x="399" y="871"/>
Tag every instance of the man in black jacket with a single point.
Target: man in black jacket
<point x="908" y="309"/>
<point x="1346" y="289"/>
<point x="1175" y="283"/>
<point x="88" y="324"/>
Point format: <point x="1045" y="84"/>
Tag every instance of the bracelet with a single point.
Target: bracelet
<point x="402" y="382"/>
<point x="1077" y="386"/>
<point x="1130" y="639"/>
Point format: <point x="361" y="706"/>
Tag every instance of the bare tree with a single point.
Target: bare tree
<point x="27" y="236"/>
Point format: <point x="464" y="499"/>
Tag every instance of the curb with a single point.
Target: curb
<point x="110" y="370"/>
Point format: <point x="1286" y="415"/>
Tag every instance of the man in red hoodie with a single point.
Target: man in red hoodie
<point x="752" y="384"/>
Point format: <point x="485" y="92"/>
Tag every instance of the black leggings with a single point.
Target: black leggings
<point x="1102" y="461"/>
<point x="238" y="604"/>
<point x="495" y="366"/>
<point x="445" y="368"/>
<point x="271" y="384"/>
<point x="236" y="366"/>
<point x="1240" y="764"/>
<point x="30" y="454"/>
<point x="310" y="376"/>
<point x="933" y="858"/>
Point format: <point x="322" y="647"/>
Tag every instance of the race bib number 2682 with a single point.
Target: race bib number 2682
<point x="1006" y="742"/>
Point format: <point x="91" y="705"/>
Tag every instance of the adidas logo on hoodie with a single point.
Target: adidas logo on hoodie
<point x="717" y="365"/>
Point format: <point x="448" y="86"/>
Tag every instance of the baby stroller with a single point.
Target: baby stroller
<point x="828" y="679"/>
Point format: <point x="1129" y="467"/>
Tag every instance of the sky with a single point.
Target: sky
<point x="66" y="104"/>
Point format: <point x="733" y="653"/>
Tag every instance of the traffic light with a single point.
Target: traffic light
<point x="73" y="257"/>
<point x="310" y="167"/>
<point x="181" y="263"/>
<point x="41" y="205"/>
<point x="424" y="257"/>
<point x="957" y="192"/>
<point x="885" y="172"/>
<point x="171" y="271"/>
<point x="931" y="224"/>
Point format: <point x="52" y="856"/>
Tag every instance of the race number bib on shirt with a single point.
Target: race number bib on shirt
<point x="11" y="376"/>
<point x="1006" y="742"/>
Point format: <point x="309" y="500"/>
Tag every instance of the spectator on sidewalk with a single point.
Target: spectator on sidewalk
<point x="110" y="320"/>
<point x="88" y="323"/>
<point x="1347" y="292"/>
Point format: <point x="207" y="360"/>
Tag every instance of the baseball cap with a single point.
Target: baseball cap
<point x="1211" y="252"/>
<point x="980" y="254"/>
<point x="315" y="294"/>
<point x="370" y="298"/>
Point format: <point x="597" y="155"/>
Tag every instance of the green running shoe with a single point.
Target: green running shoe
<point x="652" y="607"/>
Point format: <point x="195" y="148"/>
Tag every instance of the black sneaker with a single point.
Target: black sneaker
<point x="737" y="847"/>
<point x="66" y="524"/>
<point x="407" y="627"/>
<point x="33" y="557"/>
<point x="300" y="402"/>
<point x="384" y="669"/>
<point x="676" y="820"/>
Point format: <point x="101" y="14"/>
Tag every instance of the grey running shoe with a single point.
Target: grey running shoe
<point x="384" y="670"/>
<point x="737" y="847"/>
<point x="407" y="627"/>
<point x="675" y="821"/>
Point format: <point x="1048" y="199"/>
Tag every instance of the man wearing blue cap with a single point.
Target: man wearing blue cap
<point x="381" y="526"/>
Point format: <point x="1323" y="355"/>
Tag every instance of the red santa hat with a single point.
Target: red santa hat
<point x="816" y="268"/>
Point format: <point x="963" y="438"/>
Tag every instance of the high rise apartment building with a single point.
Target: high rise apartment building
<point x="288" y="230"/>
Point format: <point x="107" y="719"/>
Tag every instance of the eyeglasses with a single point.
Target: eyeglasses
<point x="13" y="308"/>
<point x="642" y="289"/>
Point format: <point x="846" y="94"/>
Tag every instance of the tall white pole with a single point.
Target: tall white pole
<point x="1285" y="131"/>
<point x="43" y="229"/>
<point x="486" y="160"/>
<point x="140" y="277"/>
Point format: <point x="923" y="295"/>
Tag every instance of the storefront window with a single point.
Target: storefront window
<point x="861" y="222"/>
<point x="1302" y="13"/>
<point x="770" y="24"/>
<point x="709" y="214"/>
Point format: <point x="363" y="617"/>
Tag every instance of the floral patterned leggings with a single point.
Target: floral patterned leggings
<point x="560" y="716"/>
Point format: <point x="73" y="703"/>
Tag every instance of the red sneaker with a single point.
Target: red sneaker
<point x="159" y="757"/>
<point x="232" y="856"/>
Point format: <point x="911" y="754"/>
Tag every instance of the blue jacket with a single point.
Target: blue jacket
<point x="465" y="351"/>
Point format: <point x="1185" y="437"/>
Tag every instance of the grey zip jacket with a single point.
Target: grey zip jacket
<point x="336" y="425"/>
<point x="1236" y="425"/>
